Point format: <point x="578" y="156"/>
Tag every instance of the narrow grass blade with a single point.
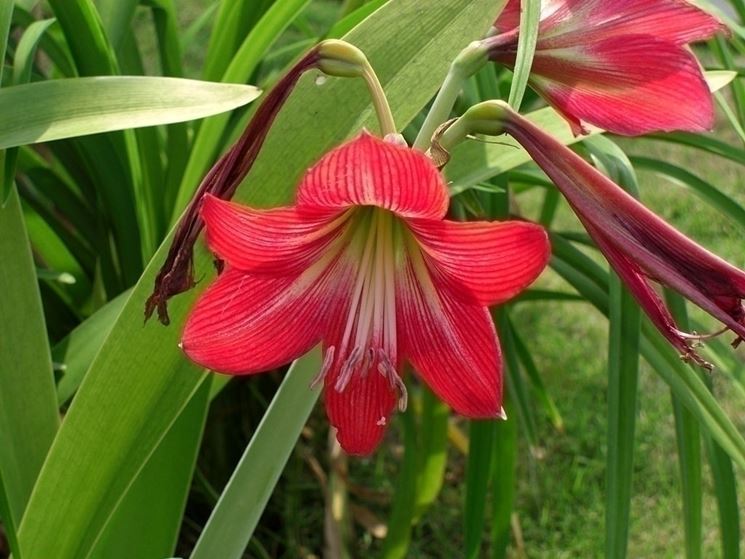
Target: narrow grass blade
<point x="85" y="37"/>
<point x="478" y="475"/>
<point x="241" y="504"/>
<point x="504" y="483"/>
<point x="682" y="379"/>
<point x="6" y="16"/>
<point x="28" y="407"/>
<point x="116" y="16"/>
<point x="433" y="429"/>
<point x="147" y="521"/>
<point x="529" y="22"/>
<point x="55" y="109"/>
<point x="403" y="511"/>
<point x="725" y="488"/>
<point x="623" y="370"/>
<point x="539" y="388"/>
<point x="701" y="188"/>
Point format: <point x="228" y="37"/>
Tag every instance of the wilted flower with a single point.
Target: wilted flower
<point x="639" y="245"/>
<point x="622" y="65"/>
<point x="365" y="263"/>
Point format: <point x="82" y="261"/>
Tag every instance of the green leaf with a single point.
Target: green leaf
<point x="55" y="109"/>
<point x="140" y="381"/>
<point x="478" y="475"/>
<point x="147" y="521"/>
<point x="530" y="18"/>
<point x="28" y="407"/>
<point x="23" y="60"/>
<point x="504" y="482"/>
<point x="396" y="544"/>
<point x="76" y="352"/>
<point x="241" y="504"/>
<point x="116" y="16"/>
<point x="433" y="442"/>
<point x="85" y="37"/>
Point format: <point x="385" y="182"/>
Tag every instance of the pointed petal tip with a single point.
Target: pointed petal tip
<point x="502" y="414"/>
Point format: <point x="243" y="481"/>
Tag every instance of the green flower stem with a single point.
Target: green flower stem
<point x="380" y="101"/>
<point x="466" y="64"/>
<point x="342" y="59"/>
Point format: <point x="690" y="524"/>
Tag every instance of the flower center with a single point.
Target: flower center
<point x="368" y="343"/>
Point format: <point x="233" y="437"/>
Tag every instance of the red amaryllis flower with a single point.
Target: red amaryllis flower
<point x="622" y="65"/>
<point x="365" y="263"/>
<point x="638" y="244"/>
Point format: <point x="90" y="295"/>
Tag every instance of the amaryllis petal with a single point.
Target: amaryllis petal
<point x="369" y="171"/>
<point x="673" y="20"/>
<point x="247" y="323"/>
<point x="622" y="65"/>
<point x="361" y="411"/>
<point x="278" y="241"/>
<point x="452" y="345"/>
<point x="604" y="82"/>
<point x="493" y="260"/>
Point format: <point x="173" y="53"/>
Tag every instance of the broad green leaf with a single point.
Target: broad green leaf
<point x="76" y="352"/>
<point x="28" y="407"/>
<point x="147" y="521"/>
<point x="530" y="18"/>
<point x="55" y="109"/>
<point x="241" y="504"/>
<point x="140" y="381"/>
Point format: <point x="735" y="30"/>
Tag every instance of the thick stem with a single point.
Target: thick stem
<point x="467" y="63"/>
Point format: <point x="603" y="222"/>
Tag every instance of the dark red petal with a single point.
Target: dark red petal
<point x="279" y="240"/>
<point x="361" y="412"/>
<point x="493" y="260"/>
<point x="619" y="86"/>
<point x="247" y="323"/>
<point x="451" y="344"/>
<point x="368" y="171"/>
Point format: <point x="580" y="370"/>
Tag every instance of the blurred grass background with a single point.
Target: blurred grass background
<point x="560" y="498"/>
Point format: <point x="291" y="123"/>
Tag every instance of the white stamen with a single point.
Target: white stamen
<point x="349" y="367"/>
<point x="328" y="359"/>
